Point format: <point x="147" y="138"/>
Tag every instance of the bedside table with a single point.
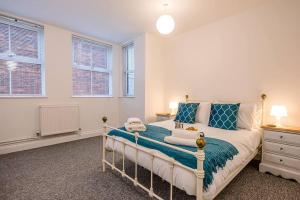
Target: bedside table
<point x="164" y="116"/>
<point x="281" y="152"/>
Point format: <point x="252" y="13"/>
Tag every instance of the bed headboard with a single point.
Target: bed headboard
<point x="260" y="103"/>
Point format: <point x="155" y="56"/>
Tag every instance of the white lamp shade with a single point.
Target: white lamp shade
<point x="278" y="111"/>
<point x="173" y="105"/>
<point x="165" y="24"/>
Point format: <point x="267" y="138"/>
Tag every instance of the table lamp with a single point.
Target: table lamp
<point x="278" y="111"/>
<point x="173" y="106"/>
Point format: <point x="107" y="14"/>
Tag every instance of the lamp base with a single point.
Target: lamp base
<point x="271" y="125"/>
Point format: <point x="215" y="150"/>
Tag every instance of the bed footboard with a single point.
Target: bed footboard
<point x="199" y="172"/>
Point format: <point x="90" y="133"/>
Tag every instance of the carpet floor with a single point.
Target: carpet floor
<point x="72" y="171"/>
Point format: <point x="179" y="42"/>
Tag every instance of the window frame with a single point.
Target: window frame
<point x="126" y="71"/>
<point x="23" y="59"/>
<point x="90" y="68"/>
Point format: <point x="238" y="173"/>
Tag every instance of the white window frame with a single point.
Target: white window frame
<point x="9" y="56"/>
<point x="91" y="68"/>
<point x="126" y="71"/>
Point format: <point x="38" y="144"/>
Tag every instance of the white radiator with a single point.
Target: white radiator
<point x="56" y="119"/>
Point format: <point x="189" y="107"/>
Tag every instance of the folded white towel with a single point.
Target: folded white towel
<point x="185" y="134"/>
<point x="135" y="127"/>
<point x="134" y="120"/>
<point x="180" y="141"/>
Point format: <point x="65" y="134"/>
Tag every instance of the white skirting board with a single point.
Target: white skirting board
<point x="44" y="141"/>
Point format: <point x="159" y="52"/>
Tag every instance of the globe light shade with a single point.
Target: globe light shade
<point x="165" y="24"/>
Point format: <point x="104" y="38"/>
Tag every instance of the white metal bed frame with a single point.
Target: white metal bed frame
<point x="200" y="156"/>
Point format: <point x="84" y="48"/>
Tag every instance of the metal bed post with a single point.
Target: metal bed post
<point x="136" y="137"/>
<point x="151" y="177"/>
<point x="123" y="163"/>
<point x="104" y="119"/>
<point x="199" y="172"/>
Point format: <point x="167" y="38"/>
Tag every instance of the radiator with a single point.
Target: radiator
<point x="57" y="119"/>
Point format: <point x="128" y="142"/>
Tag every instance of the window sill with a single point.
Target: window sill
<point x="23" y="97"/>
<point x="130" y="97"/>
<point x="92" y="97"/>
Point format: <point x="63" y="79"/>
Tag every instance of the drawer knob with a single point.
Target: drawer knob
<point x="281" y="137"/>
<point x="280" y="160"/>
<point x="281" y="148"/>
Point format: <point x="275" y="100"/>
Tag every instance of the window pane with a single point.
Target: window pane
<point x="76" y="50"/>
<point x="24" y="42"/>
<point x="4" y="38"/>
<point x="99" y="56"/>
<point x="100" y="83"/>
<point x="130" y="58"/>
<point x="82" y="52"/>
<point x="128" y="79"/>
<point x="91" y="74"/>
<point x="4" y="78"/>
<point x="130" y="84"/>
<point x="81" y="82"/>
<point x="26" y="79"/>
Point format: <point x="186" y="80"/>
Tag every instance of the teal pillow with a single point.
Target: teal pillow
<point x="187" y="112"/>
<point x="224" y="116"/>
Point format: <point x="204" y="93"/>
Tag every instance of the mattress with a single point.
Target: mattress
<point x="245" y="141"/>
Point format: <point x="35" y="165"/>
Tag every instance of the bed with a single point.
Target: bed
<point x="191" y="180"/>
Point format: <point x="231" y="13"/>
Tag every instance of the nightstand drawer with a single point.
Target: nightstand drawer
<point x="282" y="160"/>
<point x="282" y="148"/>
<point x="282" y="137"/>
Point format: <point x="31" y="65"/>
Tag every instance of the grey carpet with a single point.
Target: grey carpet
<point x="72" y="171"/>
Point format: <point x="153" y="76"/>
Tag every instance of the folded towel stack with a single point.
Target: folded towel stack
<point x="134" y="120"/>
<point x="180" y="141"/>
<point x="183" y="137"/>
<point x="185" y="134"/>
<point x="134" y="124"/>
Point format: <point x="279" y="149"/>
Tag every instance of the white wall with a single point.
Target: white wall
<point x="135" y="106"/>
<point x="149" y="77"/>
<point x="19" y="116"/>
<point x="240" y="57"/>
<point x="154" y="76"/>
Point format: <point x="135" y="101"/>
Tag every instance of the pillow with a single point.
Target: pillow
<point x="246" y="115"/>
<point x="224" y="116"/>
<point x="187" y="112"/>
<point x="203" y="112"/>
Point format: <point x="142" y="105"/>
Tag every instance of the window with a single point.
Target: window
<point x="91" y="68"/>
<point x="128" y="75"/>
<point x="21" y="58"/>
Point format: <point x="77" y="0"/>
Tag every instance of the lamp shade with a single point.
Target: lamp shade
<point x="173" y="105"/>
<point x="165" y="24"/>
<point x="278" y="111"/>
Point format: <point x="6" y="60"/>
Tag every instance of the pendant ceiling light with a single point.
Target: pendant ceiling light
<point x="165" y="24"/>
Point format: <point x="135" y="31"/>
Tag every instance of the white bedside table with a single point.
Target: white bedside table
<point x="281" y="152"/>
<point x="164" y="116"/>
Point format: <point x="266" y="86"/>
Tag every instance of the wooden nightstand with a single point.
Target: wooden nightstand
<point x="281" y="152"/>
<point x="164" y="116"/>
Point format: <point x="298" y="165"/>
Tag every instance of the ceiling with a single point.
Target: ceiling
<point x="122" y="20"/>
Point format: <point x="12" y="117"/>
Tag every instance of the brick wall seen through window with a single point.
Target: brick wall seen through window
<point x="21" y="58"/>
<point x="91" y="68"/>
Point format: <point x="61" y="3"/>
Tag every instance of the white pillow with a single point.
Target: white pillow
<point x="246" y="115"/>
<point x="203" y="112"/>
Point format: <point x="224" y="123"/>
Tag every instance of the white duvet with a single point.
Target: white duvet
<point x="245" y="141"/>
